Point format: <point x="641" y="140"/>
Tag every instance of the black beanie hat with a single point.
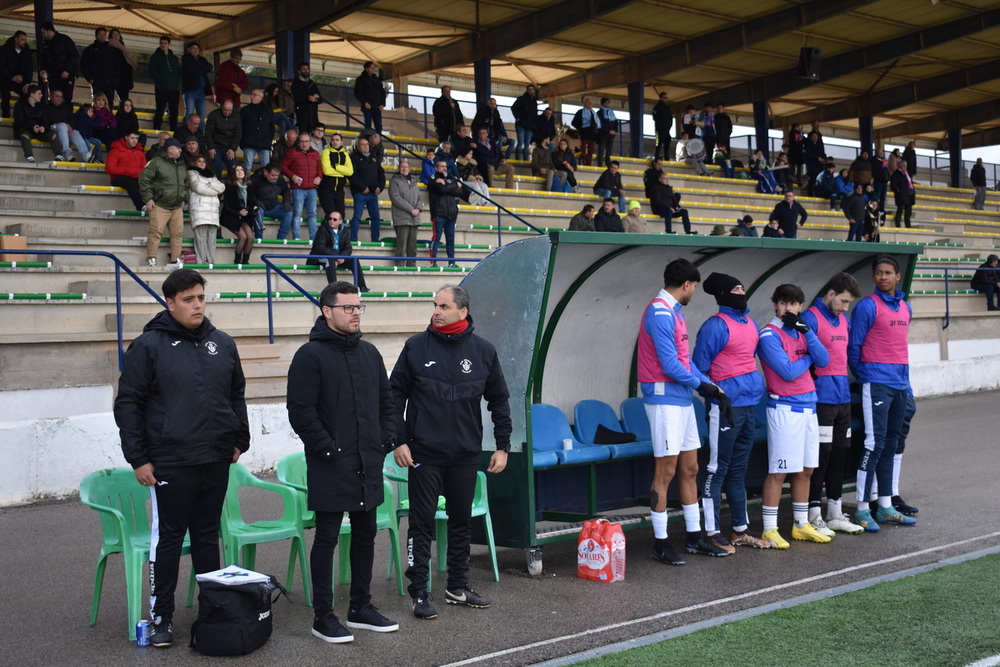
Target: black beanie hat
<point x="720" y="283"/>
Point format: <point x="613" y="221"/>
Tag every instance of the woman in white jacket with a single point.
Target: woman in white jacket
<point x="204" y="208"/>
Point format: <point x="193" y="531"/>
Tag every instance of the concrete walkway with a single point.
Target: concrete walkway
<point x="49" y="550"/>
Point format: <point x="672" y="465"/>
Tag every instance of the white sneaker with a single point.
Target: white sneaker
<point x="30" y="158"/>
<point x="821" y="527"/>
<point x="843" y="525"/>
<point x="151" y="261"/>
<point x="173" y="266"/>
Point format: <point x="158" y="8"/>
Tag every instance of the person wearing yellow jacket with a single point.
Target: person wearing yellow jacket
<point x="337" y="168"/>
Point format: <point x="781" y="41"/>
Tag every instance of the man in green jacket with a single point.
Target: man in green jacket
<point x="163" y="186"/>
<point x="165" y="71"/>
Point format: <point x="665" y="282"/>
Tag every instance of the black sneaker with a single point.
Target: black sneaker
<point x="466" y="596"/>
<point x="161" y="635"/>
<point x="903" y="508"/>
<point x="422" y="607"/>
<point x="329" y="629"/>
<point x="663" y="552"/>
<point x="699" y="544"/>
<point x="369" y="618"/>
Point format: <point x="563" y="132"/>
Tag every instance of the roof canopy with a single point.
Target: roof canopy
<point x="919" y="67"/>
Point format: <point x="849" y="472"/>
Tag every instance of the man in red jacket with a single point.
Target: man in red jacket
<point x="125" y="162"/>
<point x="302" y="167"/>
<point x="231" y="80"/>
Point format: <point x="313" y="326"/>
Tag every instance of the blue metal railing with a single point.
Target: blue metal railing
<point x="119" y="267"/>
<point x="947" y="286"/>
<point x="424" y="160"/>
<point x="270" y="266"/>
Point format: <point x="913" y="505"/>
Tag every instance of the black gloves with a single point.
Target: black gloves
<point x="725" y="407"/>
<point x="795" y="322"/>
<point x="709" y="390"/>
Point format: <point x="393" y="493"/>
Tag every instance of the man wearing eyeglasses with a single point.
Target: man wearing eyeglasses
<point x="340" y="405"/>
<point x="333" y="239"/>
<point x="440" y="379"/>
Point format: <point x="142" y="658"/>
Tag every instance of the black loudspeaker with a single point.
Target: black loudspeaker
<point x="809" y="59"/>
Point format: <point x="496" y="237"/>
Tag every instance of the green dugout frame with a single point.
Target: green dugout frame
<point x="563" y="311"/>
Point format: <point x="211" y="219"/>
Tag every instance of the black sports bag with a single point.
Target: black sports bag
<point x="233" y="620"/>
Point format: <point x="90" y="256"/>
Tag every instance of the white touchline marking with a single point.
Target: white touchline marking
<point x="732" y="598"/>
<point x="986" y="662"/>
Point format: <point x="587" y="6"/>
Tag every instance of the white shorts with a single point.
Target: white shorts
<point x="792" y="439"/>
<point x="673" y="427"/>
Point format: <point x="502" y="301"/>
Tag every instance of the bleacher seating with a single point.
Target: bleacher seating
<point x="71" y="206"/>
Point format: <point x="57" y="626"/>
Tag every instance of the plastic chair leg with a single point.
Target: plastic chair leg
<point x="249" y="556"/>
<point x="191" y="587"/>
<point x="395" y="559"/>
<point x="442" y="544"/>
<point x="95" y="604"/>
<point x="134" y="571"/>
<point x="492" y="546"/>
<point x="303" y="563"/>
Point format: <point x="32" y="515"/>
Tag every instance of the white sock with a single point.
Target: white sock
<point x="659" y="520"/>
<point x="897" y="463"/>
<point x="800" y="513"/>
<point x="815" y="512"/>
<point x="770" y="517"/>
<point x="692" y="518"/>
<point x="885" y="501"/>
<point x="833" y="509"/>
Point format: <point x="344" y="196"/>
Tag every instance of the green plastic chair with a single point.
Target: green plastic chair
<point x="120" y="500"/>
<point x="292" y="472"/>
<point x="480" y="507"/>
<point x="240" y="539"/>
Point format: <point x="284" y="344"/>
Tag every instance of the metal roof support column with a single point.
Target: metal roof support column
<point x="291" y="48"/>
<point x="636" y="111"/>
<point x="761" y="124"/>
<point x="43" y="13"/>
<point x="483" y="70"/>
<point x="955" y="156"/>
<point x="866" y="133"/>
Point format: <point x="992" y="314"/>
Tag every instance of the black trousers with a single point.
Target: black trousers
<point x="6" y="88"/>
<point x="132" y="186"/>
<point x="331" y="199"/>
<point x="662" y="145"/>
<point x="605" y="142"/>
<point x="166" y="102"/>
<point x="363" y="530"/>
<point x="186" y="499"/>
<point x="834" y="441"/>
<point x="457" y="483"/>
<point x="348" y="265"/>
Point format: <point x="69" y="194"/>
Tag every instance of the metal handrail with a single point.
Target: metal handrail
<point x="269" y="266"/>
<point x="423" y="160"/>
<point x="947" y="289"/>
<point x="119" y="266"/>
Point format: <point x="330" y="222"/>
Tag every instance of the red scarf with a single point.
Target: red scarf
<point x="453" y="328"/>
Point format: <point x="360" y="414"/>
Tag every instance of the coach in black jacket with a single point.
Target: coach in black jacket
<point x="340" y="404"/>
<point x="182" y="416"/>
<point x="439" y="381"/>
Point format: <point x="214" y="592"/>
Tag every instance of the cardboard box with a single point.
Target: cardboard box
<point x="14" y="242"/>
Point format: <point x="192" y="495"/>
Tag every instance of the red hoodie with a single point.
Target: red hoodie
<point x="125" y="161"/>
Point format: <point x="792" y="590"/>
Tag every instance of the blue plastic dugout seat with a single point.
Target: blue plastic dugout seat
<point x="549" y="427"/>
<point x="589" y="414"/>
<point x="634" y="419"/>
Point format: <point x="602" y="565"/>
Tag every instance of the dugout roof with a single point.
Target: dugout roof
<point x="918" y="66"/>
